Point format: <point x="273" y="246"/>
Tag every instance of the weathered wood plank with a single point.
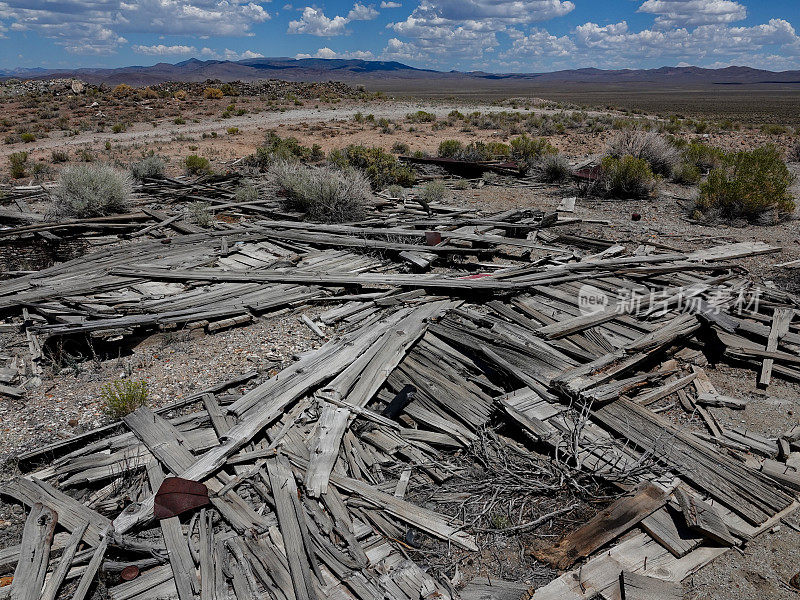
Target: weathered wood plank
<point x="34" y="558"/>
<point x="64" y="563"/>
<point x="635" y="586"/>
<point x="605" y="527"/>
<point x="781" y="320"/>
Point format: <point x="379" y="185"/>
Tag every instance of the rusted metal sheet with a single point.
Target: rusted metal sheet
<point x="177" y="496"/>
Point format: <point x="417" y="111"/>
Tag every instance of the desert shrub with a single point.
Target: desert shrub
<point x="150" y="167"/>
<point x="233" y="131"/>
<point x="461" y="184"/>
<point x="122" y="90"/>
<point x="247" y="192"/>
<point x="197" y="165"/>
<point x="91" y="190"/>
<point x="59" y="156"/>
<point x="395" y="191"/>
<point x="553" y="168"/>
<point x="703" y="156"/>
<point x="794" y="152"/>
<point x="421" y="117"/>
<point x="657" y="151"/>
<point x="118" y="127"/>
<point x="433" y="191"/>
<point x="200" y="213"/>
<point x="527" y="149"/>
<point x="213" y="93"/>
<point x="686" y="173"/>
<point x="772" y="129"/>
<point x="179" y="121"/>
<point x="180" y="95"/>
<point x="450" y="149"/>
<point x="326" y="194"/>
<point x="229" y="90"/>
<point x="18" y="162"/>
<point x="498" y="149"/>
<point x="288" y="149"/>
<point x="380" y="167"/>
<point x="401" y="148"/>
<point x="747" y="186"/>
<point x="42" y="171"/>
<point x="627" y="177"/>
<point x="121" y="398"/>
<point x="27" y="137"/>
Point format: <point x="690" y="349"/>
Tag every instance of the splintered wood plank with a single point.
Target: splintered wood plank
<point x="284" y="490"/>
<point x="780" y="327"/>
<point x="603" y="528"/>
<point x="180" y="558"/>
<point x="668" y="527"/>
<point x="94" y="565"/>
<point x="34" y="557"/>
<point x="207" y="571"/>
<point x="701" y="516"/>
<point x="64" y="563"/>
<point x="635" y="586"/>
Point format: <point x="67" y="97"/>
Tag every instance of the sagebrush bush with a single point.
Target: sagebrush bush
<point x="703" y="156"/>
<point x="421" y="117"/>
<point x="213" y="93"/>
<point x="18" y="162"/>
<point x="91" y="190"/>
<point x="380" y="167"/>
<point x="247" y="192"/>
<point x="450" y="148"/>
<point x="687" y="173"/>
<point x="200" y="213"/>
<point x="121" y="398"/>
<point x="433" y="192"/>
<point x="661" y="155"/>
<point x="627" y="177"/>
<point x="553" y="168"/>
<point x="528" y="150"/>
<point x="276" y="148"/>
<point x="748" y="186"/>
<point x="401" y="148"/>
<point x="59" y="156"/>
<point x="325" y="194"/>
<point x="197" y="165"/>
<point x="150" y="167"/>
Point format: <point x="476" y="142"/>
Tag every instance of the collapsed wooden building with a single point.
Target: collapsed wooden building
<point x="444" y="322"/>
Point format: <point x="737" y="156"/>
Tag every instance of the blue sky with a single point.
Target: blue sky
<point x="490" y="35"/>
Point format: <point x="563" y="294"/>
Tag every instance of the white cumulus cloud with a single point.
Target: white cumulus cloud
<point x="681" y="13"/>
<point x="315" y="22"/>
<point x="385" y="4"/>
<point x="328" y="53"/>
<point x="162" y="50"/>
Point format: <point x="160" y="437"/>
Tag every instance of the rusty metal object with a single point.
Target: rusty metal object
<point x="433" y="238"/>
<point x="795" y="581"/>
<point x="177" y="496"/>
<point x="129" y="573"/>
<point x="636" y="217"/>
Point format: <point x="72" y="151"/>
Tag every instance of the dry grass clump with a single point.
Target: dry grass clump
<point x="91" y="190"/>
<point x="750" y="185"/>
<point x="659" y="153"/>
<point x="150" y="167"/>
<point x="553" y="168"/>
<point x="325" y="194"/>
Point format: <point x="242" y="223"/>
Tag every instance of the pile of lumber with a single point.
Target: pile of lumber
<point x="303" y="486"/>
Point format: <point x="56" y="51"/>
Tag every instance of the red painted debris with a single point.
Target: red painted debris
<point x="176" y="496"/>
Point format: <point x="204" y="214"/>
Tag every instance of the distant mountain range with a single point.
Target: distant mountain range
<point x="366" y="71"/>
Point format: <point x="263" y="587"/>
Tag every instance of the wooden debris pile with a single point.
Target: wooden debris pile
<point x="307" y="477"/>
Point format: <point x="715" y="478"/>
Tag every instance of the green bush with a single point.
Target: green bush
<point x="380" y="167"/>
<point x="325" y="194"/>
<point x="747" y="186"/>
<point x="703" y="156"/>
<point x="450" y="149"/>
<point x="59" y="156"/>
<point x="197" y="165"/>
<point x="91" y="190"/>
<point x="401" y="148"/>
<point x="150" y="167"/>
<point x="18" y="162"/>
<point x="200" y="213"/>
<point x="627" y="177"/>
<point x="121" y="398"/>
<point x="421" y="117"/>
<point x="118" y="127"/>
<point x="433" y="191"/>
<point x="27" y="137"/>
<point x="276" y="148"/>
<point x="527" y="149"/>
<point x="686" y="173"/>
